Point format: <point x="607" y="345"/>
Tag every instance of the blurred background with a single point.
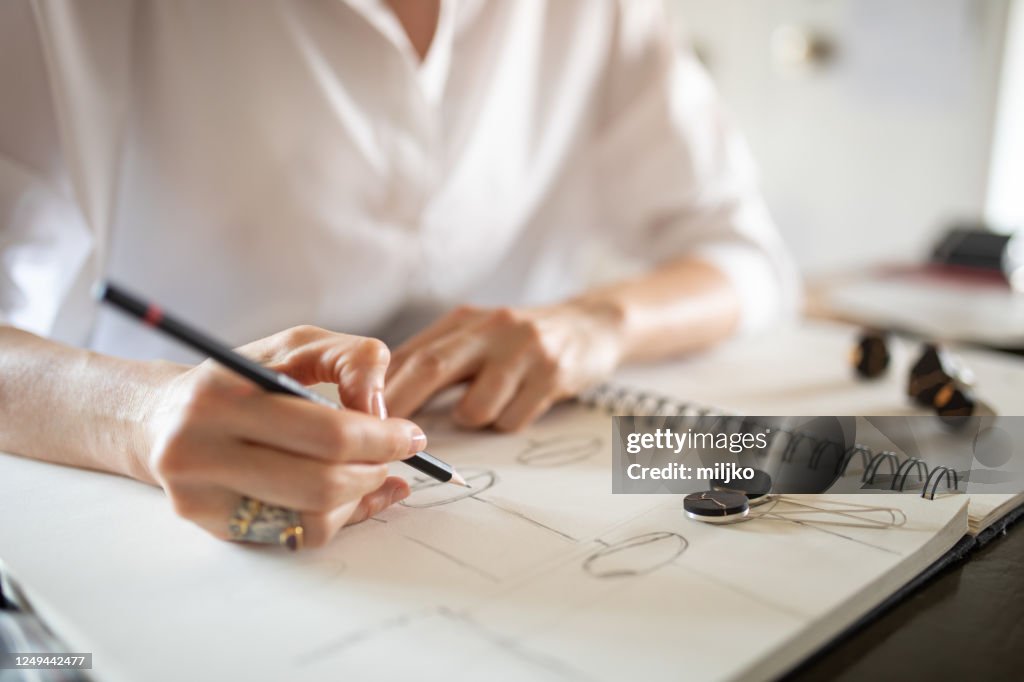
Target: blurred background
<point x="875" y="123"/>
<point x="878" y="125"/>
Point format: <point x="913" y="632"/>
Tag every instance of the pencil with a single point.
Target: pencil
<point x="266" y="378"/>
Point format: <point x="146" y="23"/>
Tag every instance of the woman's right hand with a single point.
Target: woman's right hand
<point x="211" y="437"/>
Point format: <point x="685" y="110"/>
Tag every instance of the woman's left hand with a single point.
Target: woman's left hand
<point x="517" y="362"/>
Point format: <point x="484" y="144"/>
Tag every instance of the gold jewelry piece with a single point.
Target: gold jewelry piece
<point x="254" y="521"/>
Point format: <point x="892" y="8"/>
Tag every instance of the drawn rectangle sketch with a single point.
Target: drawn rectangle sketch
<point x="538" y="572"/>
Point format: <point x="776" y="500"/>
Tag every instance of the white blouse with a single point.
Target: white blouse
<point x="256" y="165"/>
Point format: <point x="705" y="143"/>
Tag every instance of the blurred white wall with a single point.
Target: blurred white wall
<point x="876" y="139"/>
<point x="1006" y="188"/>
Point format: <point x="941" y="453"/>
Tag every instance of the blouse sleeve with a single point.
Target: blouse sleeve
<point x="675" y="177"/>
<point x="64" y="79"/>
<point x="44" y="240"/>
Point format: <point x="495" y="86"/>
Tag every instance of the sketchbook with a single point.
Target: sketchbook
<point x="536" y="573"/>
<point x="935" y="463"/>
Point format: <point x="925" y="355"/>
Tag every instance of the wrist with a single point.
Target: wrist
<point x="606" y="317"/>
<point x="125" y="443"/>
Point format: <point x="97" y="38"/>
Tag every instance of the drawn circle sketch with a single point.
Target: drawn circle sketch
<point x="431" y="493"/>
<point x="636" y="556"/>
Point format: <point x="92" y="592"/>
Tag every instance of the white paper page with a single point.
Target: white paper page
<point x="987" y="508"/>
<point x="543" y="574"/>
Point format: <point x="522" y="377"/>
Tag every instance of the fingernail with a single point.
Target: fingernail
<point x="418" y="441"/>
<point x="399" y="495"/>
<point x="378" y="407"/>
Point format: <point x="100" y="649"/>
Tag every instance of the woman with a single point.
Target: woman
<point x="360" y="165"/>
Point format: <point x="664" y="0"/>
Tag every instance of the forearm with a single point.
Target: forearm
<point x="682" y="306"/>
<point x="72" y="406"/>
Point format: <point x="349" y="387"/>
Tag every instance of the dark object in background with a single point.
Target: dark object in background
<point x="938" y="382"/>
<point x="871" y="354"/>
<point x="955" y="402"/>
<point x="976" y="247"/>
<point x="933" y="370"/>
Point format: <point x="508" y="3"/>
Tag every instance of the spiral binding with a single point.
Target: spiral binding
<point x="623" y="401"/>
